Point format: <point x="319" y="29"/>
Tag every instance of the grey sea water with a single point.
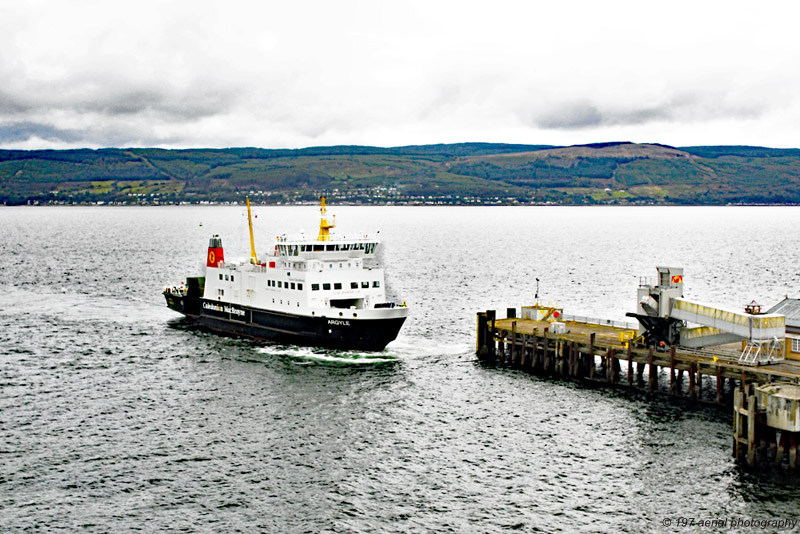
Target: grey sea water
<point x="116" y="415"/>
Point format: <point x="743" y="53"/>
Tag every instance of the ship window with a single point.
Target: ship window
<point x="353" y="285"/>
<point x="220" y="292"/>
<point x="376" y="284"/>
<point x="337" y="285"/>
<point x="226" y="277"/>
<point x="365" y="284"/>
<point x="231" y="278"/>
<point x="340" y="265"/>
<point x="329" y="248"/>
<point x="330" y="266"/>
<point x="280" y="284"/>
<point x="326" y="287"/>
<point x="319" y="248"/>
<point x="314" y="287"/>
<point x="300" y="286"/>
<point x="220" y="276"/>
<point x="292" y="285"/>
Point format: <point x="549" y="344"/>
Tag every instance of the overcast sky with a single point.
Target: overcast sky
<point x="295" y="73"/>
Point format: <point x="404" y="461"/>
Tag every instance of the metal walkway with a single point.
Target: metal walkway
<point x="764" y="327"/>
<point x="764" y="334"/>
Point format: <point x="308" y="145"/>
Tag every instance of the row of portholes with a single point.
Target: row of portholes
<point x="340" y="314"/>
<point x="288" y="303"/>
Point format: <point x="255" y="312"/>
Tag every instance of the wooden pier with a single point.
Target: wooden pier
<point x="765" y="398"/>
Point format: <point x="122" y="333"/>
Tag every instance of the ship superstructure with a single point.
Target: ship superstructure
<point x="326" y="292"/>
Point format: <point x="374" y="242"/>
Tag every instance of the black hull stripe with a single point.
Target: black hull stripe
<point x="347" y="334"/>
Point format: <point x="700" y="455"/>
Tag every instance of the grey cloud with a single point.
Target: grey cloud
<point x="116" y="99"/>
<point x="579" y="115"/>
<point x="196" y="104"/>
<point x="574" y="116"/>
<point x="123" y="103"/>
<point x="589" y="116"/>
<point x="22" y="131"/>
<point x="12" y="104"/>
<point x="19" y="132"/>
<point x="89" y="113"/>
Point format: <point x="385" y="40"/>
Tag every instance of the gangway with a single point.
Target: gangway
<point x="663" y="313"/>
<point x="762" y="327"/>
<point x="763" y="334"/>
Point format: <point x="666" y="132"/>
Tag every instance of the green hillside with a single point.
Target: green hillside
<point x="469" y="173"/>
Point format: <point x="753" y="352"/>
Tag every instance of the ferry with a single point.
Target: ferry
<point x="324" y="292"/>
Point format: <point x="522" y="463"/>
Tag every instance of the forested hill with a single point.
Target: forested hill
<point x="467" y="173"/>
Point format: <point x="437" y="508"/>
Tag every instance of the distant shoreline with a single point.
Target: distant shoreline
<point x="466" y="174"/>
<point x="376" y="205"/>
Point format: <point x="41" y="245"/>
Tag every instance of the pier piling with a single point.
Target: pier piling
<point x="765" y="399"/>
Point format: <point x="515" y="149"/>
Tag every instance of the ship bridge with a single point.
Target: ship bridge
<point x="340" y="249"/>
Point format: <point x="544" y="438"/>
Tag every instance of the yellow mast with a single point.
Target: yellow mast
<point x="253" y="258"/>
<point x="324" y="227"/>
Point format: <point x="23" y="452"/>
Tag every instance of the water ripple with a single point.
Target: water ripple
<point x="116" y="415"/>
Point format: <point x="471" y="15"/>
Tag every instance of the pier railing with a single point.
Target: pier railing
<point x="601" y="322"/>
